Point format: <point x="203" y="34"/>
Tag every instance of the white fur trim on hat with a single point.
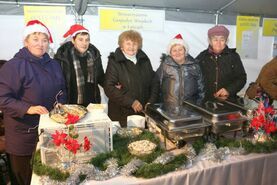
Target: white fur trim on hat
<point x="74" y="30"/>
<point x="177" y="41"/>
<point x="35" y="28"/>
<point x="80" y="31"/>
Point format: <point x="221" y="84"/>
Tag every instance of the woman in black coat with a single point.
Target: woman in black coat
<point x="82" y="67"/>
<point x="222" y="69"/>
<point x="128" y="79"/>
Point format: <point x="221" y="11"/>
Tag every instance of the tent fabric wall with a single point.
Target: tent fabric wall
<point x="195" y="35"/>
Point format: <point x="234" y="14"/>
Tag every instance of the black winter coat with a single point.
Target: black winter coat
<point x="63" y="55"/>
<point x="222" y="71"/>
<point x="136" y="84"/>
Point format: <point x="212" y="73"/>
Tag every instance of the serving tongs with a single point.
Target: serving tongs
<point x="58" y="107"/>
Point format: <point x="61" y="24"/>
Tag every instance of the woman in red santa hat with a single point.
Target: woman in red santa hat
<point x="223" y="72"/>
<point x="82" y="67"/>
<point x="29" y="83"/>
<point x="179" y="76"/>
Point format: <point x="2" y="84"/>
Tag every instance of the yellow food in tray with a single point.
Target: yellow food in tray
<point x="129" y="132"/>
<point x="60" y="112"/>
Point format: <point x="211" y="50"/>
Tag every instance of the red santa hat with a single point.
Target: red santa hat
<point x="178" y="39"/>
<point x="74" y="30"/>
<point x="36" y="26"/>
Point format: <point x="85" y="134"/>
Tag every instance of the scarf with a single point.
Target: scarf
<point x="211" y="51"/>
<point x="79" y="73"/>
<point x="129" y="57"/>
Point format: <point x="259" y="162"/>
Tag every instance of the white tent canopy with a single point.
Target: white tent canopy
<point x="183" y="10"/>
<point x="191" y="18"/>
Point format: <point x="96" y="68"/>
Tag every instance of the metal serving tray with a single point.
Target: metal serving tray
<point x="184" y="119"/>
<point x="224" y="117"/>
<point x="177" y="127"/>
<point x="245" y="105"/>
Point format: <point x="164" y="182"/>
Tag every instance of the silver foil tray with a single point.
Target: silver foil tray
<point x="221" y="127"/>
<point x="185" y="128"/>
<point x="185" y="120"/>
<point x="216" y="111"/>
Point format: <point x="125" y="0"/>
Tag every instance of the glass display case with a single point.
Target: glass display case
<point x="96" y="130"/>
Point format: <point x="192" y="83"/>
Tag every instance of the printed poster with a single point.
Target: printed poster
<point x="52" y="16"/>
<point x="126" y="19"/>
<point x="247" y="36"/>
<point x="269" y="27"/>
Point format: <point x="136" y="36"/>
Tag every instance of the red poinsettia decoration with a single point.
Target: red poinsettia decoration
<point x="59" y="138"/>
<point x="72" y="119"/>
<point x="264" y="119"/>
<point x="72" y="145"/>
<point x="87" y="144"/>
<point x="69" y="141"/>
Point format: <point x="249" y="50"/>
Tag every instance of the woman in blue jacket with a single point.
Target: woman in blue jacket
<point x="29" y="83"/>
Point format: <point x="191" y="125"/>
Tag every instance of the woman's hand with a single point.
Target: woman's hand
<point x="37" y="110"/>
<point x="222" y="93"/>
<point x="137" y="107"/>
<point x="118" y="86"/>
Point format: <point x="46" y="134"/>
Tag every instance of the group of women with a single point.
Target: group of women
<point x="32" y="82"/>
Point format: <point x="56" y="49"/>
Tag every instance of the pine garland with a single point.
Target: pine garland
<point x="153" y="170"/>
<point x="53" y="173"/>
<point x="121" y="152"/>
<point x="266" y="147"/>
<point x="150" y="170"/>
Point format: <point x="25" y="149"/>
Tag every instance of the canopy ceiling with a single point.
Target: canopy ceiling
<point x="253" y="7"/>
<point x="263" y="8"/>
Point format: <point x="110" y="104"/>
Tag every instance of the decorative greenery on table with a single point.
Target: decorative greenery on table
<point x="150" y="170"/>
<point x="249" y="146"/>
<point x="153" y="169"/>
<point x="121" y="152"/>
<point x="41" y="169"/>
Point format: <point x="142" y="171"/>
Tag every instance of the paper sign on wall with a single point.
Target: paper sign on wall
<point x="53" y="17"/>
<point x="137" y="19"/>
<point x="269" y="27"/>
<point x="247" y="36"/>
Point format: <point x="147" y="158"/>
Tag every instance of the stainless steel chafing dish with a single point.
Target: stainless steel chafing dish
<point x="224" y="117"/>
<point x="179" y="126"/>
<point x="245" y="105"/>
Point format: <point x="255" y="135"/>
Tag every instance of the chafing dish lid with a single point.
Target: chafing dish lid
<point x="214" y="107"/>
<point x="183" y="115"/>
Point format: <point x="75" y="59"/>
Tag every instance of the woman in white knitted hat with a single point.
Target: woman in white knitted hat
<point x="29" y="83"/>
<point x="179" y="76"/>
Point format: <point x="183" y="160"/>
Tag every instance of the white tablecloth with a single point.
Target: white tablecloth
<point x="251" y="169"/>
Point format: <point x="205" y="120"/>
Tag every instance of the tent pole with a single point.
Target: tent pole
<point x="216" y="18"/>
<point x="226" y="6"/>
<point x="220" y="10"/>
